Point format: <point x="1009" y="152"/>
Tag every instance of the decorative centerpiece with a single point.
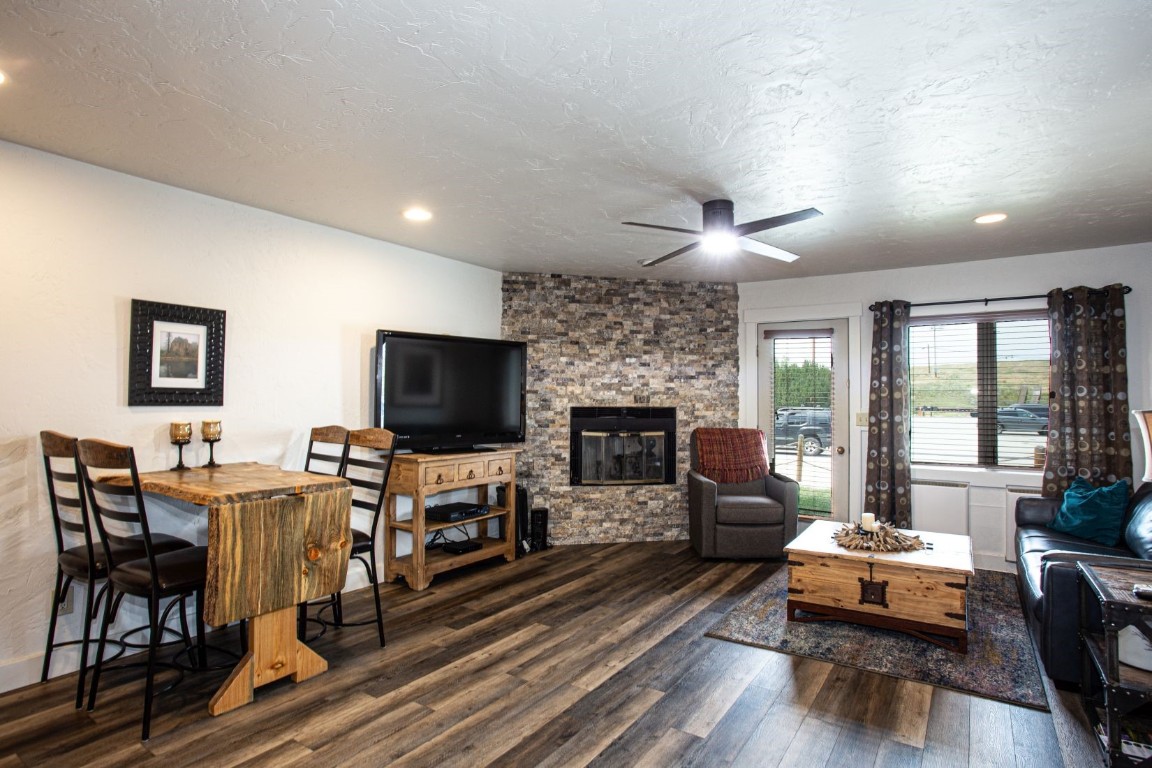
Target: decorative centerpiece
<point x="872" y="535"/>
<point x="180" y="434"/>
<point x="210" y="433"/>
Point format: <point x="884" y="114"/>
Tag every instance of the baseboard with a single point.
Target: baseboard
<point x="993" y="563"/>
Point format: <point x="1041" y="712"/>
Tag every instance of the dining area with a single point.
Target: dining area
<point x="256" y="552"/>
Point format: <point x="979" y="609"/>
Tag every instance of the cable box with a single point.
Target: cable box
<point x="454" y="512"/>
<point x="460" y="547"/>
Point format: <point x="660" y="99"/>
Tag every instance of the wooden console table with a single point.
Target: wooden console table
<point x="421" y="475"/>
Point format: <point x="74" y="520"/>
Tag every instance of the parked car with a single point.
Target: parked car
<point x="1040" y="409"/>
<point x="810" y="426"/>
<point x="1020" y="420"/>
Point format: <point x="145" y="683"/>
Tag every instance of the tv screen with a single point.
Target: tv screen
<point x="449" y="392"/>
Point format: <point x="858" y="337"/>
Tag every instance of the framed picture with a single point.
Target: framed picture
<point x="176" y="355"/>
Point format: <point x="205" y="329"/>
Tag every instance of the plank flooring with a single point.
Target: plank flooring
<point x="581" y="655"/>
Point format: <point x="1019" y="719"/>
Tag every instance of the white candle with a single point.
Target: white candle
<point x="868" y="521"/>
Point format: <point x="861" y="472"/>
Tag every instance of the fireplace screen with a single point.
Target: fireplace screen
<point x="611" y="458"/>
<point x="623" y="446"/>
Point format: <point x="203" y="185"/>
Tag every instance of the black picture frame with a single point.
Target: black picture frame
<point x="147" y="385"/>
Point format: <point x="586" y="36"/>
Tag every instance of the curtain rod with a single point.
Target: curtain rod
<point x="872" y="307"/>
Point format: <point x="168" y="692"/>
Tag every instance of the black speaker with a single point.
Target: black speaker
<point x="538" y="535"/>
<point x="523" y="505"/>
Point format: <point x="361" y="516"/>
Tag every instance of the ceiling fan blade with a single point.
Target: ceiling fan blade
<point x="763" y="249"/>
<point x="677" y="252"/>
<point x="749" y="227"/>
<point x="657" y="226"/>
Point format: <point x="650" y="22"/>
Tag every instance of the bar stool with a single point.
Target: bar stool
<point x="78" y="557"/>
<point x="367" y="469"/>
<point x="156" y="576"/>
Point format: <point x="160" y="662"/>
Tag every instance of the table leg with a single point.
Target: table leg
<point x="273" y="653"/>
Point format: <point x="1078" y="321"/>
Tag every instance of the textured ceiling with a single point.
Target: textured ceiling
<point x="534" y="127"/>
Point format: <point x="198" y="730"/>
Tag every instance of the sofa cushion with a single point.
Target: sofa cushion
<point x="1037" y="539"/>
<point x="1093" y="513"/>
<point x="1138" y="534"/>
<point x="748" y="510"/>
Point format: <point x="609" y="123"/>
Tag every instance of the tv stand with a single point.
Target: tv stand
<point x="422" y="475"/>
<point x="457" y="451"/>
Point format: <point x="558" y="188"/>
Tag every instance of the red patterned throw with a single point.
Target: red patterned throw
<point x="731" y="455"/>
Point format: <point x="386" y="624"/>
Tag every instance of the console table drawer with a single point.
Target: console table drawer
<point x="470" y="470"/>
<point x="438" y="474"/>
<point x="501" y="467"/>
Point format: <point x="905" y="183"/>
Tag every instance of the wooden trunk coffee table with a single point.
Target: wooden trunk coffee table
<point x="923" y="593"/>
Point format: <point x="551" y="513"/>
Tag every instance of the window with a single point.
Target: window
<point x="979" y="389"/>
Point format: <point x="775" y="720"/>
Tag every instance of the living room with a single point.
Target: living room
<point x="304" y="301"/>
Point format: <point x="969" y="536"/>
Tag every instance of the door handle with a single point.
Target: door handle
<point x="840" y="450"/>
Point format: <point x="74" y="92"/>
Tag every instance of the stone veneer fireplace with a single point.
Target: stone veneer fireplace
<point x="622" y="446"/>
<point x="619" y="343"/>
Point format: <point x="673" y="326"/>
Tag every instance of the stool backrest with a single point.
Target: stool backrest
<point x="114" y="497"/>
<point x="66" y="495"/>
<point x="367" y="469"/>
<point x="330" y="461"/>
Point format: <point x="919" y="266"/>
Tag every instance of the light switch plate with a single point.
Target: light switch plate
<point x="862" y="419"/>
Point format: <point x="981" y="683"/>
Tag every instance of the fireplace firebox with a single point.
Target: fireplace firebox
<point x="623" y="446"/>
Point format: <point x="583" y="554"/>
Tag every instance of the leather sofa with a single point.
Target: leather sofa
<point x="1047" y="578"/>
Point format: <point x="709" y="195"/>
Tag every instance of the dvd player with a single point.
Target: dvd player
<point x="454" y="512"/>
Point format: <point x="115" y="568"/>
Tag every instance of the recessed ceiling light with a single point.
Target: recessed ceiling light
<point x="990" y="218"/>
<point x="3" y="77"/>
<point x="418" y="214"/>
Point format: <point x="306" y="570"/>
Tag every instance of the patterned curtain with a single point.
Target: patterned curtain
<point x="1088" y="429"/>
<point x="888" y="482"/>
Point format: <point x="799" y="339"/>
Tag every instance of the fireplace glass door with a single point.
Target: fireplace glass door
<point x="622" y="458"/>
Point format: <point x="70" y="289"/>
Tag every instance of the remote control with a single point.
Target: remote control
<point x="1142" y="591"/>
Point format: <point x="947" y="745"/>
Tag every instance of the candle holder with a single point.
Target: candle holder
<point x="210" y="433"/>
<point x="180" y="434"/>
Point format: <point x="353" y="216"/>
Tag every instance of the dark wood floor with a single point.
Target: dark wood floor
<point x="583" y="655"/>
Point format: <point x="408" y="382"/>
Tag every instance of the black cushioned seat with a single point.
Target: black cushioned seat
<point x="176" y="572"/>
<point x="74" y="560"/>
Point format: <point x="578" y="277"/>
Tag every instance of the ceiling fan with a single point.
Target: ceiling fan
<point x="721" y="235"/>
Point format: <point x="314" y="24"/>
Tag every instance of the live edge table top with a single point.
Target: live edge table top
<point x="230" y="483"/>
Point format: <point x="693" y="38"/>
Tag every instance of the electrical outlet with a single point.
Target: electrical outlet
<point x="66" y="606"/>
<point x="862" y="419"/>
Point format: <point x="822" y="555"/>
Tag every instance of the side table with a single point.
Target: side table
<point x="1114" y="693"/>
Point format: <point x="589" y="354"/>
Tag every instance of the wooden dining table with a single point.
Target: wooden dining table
<point x="276" y="538"/>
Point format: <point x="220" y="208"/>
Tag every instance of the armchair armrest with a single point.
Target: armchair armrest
<point x="1036" y="510"/>
<point x="701" y="512"/>
<point x="787" y="492"/>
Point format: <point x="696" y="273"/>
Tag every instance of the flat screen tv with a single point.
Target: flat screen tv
<point x="449" y="392"/>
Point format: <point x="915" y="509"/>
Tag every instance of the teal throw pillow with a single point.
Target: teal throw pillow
<point x="1092" y="513"/>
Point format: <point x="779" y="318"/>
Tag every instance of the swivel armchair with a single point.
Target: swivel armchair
<point x="737" y="507"/>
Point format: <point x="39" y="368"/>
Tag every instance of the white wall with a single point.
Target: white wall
<point x="303" y="302"/>
<point x="987" y="517"/>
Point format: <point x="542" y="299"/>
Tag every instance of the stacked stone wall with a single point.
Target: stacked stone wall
<point x="612" y="342"/>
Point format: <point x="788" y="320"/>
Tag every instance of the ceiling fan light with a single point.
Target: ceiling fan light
<point x="719" y="243"/>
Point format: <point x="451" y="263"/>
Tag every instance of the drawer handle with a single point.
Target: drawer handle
<point x="439" y="479"/>
<point x="499" y="470"/>
<point x="471" y="474"/>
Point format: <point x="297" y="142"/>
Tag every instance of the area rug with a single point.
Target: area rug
<point x="1000" y="663"/>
